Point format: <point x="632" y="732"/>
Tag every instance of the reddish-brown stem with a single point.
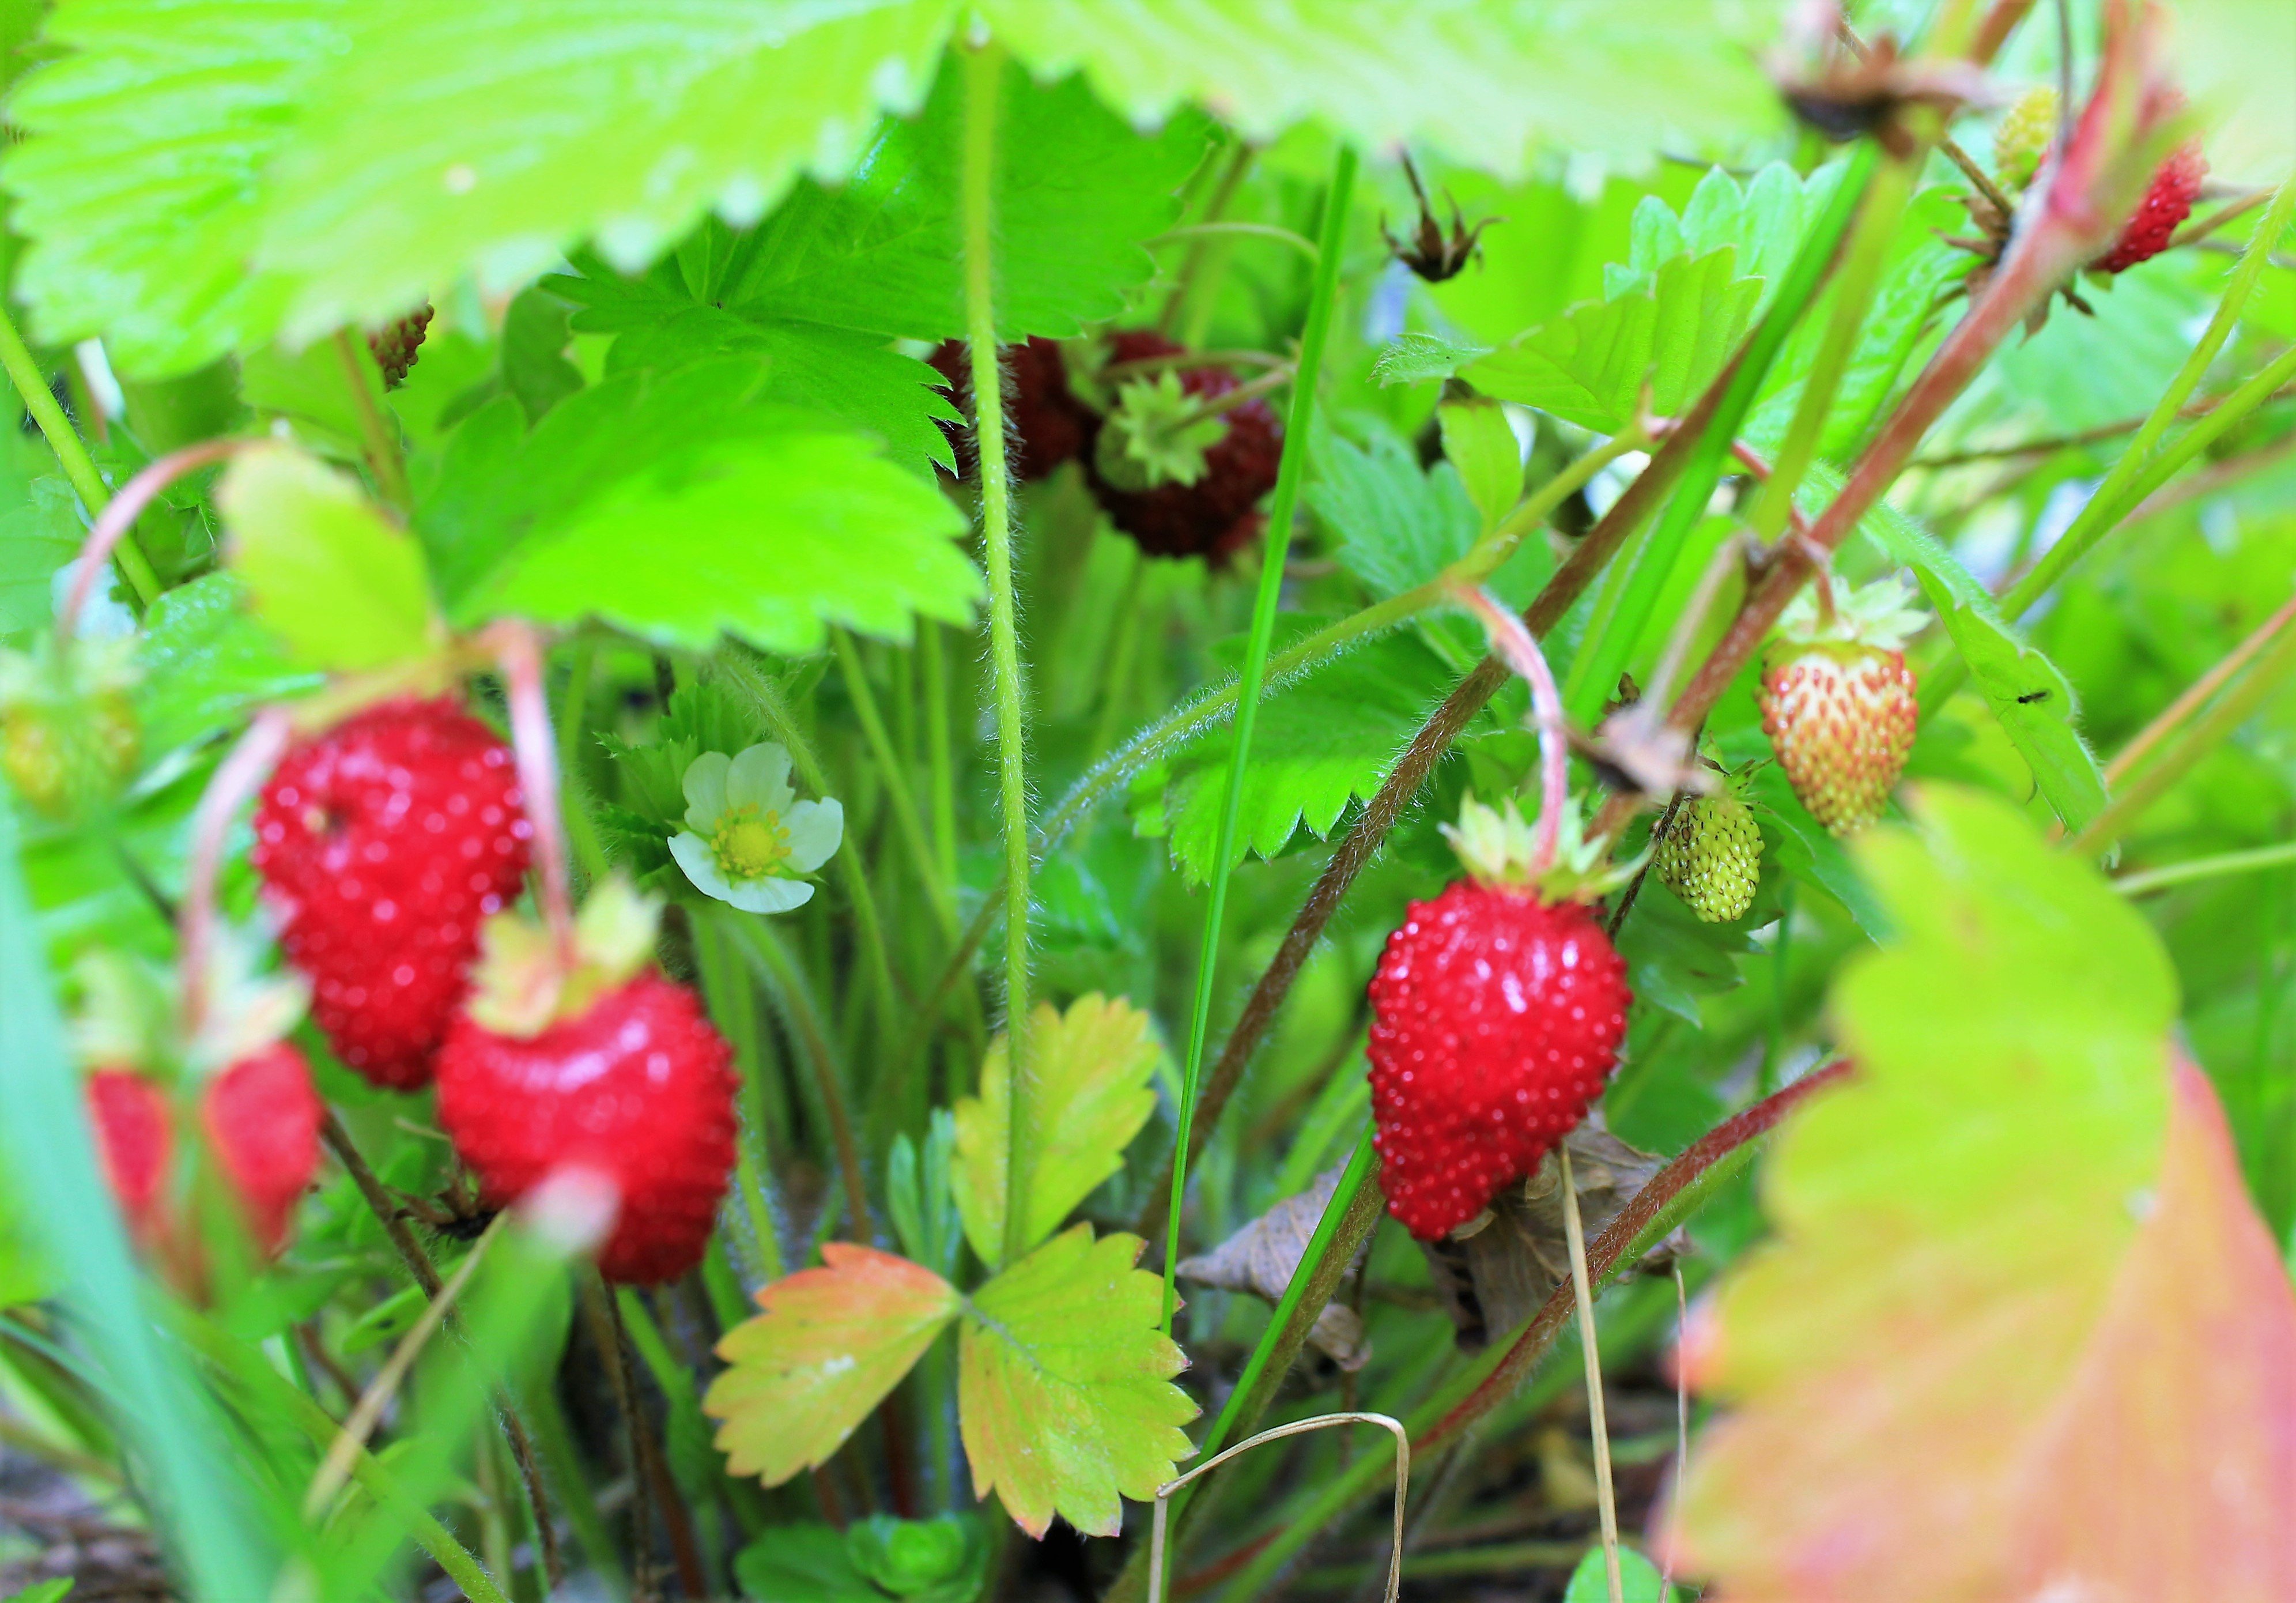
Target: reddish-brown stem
<point x="518" y="650"/>
<point x="1605" y="1252"/>
<point x="120" y="515"/>
<point x="236" y="778"/>
<point x="1513" y="644"/>
<point x="1411" y="769"/>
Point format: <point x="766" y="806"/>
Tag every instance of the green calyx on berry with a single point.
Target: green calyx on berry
<point x="1501" y="850"/>
<point x="68" y="732"/>
<point x="1156" y="434"/>
<point x="1881" y="615"/>
<point x="130" y="1015"/>
<point x="523" y="984"/>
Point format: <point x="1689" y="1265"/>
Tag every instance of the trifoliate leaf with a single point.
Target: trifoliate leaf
<point x="1077" y="191"/>
<point x="831" y="1342"/>
<point x="1089" y="1071"/>
<point x="328" y="572"/>
<point x="1065" y="1388"/>
<point x="2015" y="1274"/>
<point x="682" y="509"/>
<point x="1486" y="83"/>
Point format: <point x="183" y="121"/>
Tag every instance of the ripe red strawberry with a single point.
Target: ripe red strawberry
<point x="382" y="843"/>
<point x="135" y="1145"/>
<point x="1497" y="1011"/>
<point x="610" y="1067"/>
<point x="262" y="1117"/>
<point x="1045" y="423"/>
<point x="1838" y="702"/>
<point x="2166" y="203"/>
<point x="1214" y="515"/>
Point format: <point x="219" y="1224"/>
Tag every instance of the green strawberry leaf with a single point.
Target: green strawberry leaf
<point x="1077" y="190"/>
<point x="1065" y="1392"/>
<point x="1482" y="449"/>
<point x="326" y="571"/>
<point x="855" y="378"/>
<point x="1394" y="525"/>
<point x="1487" y="85"/>
<point x="830" y="1345"/>
<point x="1320" y="744"/>
<point x="40" y="534"/>
<point x="588" y="120"/>
<point x="1991" y="1277"/>
<point x="206" y="661"/>
<point x="753" y="519"/>
<point x="1089" y="1070"/>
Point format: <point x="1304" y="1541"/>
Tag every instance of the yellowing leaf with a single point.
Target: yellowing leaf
<point x="1065" y="1386"/>
<point x="330" y="575"/>
<point x="1998" y="1336"/>
<point x="831" y="1342"/>
<point x="1091" y="1067"/>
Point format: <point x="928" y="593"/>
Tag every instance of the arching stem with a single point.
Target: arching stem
<point x="237" y="779"/>
<point x="518" y="649"/>
<point x="1514" y="645"/>
<point x="119" y="517"/>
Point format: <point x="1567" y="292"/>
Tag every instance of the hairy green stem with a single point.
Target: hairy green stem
<point x="2206" y="868"/>
<point x="932" y="665"/>
<point x="1291" y="469"/>
<point x="984" y="69"/>
<point x="1595" y="674"/>
<point x="80" y="467"/>
<point x="906" y="822"/>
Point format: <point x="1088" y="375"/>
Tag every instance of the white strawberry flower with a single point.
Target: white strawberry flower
<point x="747" y="840"/>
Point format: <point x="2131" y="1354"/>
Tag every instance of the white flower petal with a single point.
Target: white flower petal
<point x="816" y="829"/>
<point x="771" y="895"/>
<point x="700" y="865"/>
<point x="759" y="778"/>
<point x="705" y="790"/>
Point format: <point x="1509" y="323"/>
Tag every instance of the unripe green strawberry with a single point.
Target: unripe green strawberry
<point x="1710" y="856"/>
<point x="1838" y="702"/>
<point x="2023" y="138"/>
<point x="68" y="731"/>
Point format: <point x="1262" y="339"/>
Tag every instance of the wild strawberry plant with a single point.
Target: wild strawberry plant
<point x="647" y="953"/>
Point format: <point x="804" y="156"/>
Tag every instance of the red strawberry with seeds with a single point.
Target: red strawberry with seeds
<point x="1838" y="701"/>
<point x="262" y="1117"/>
<point x="1180" y="481"/>
<point x="135" y="1146"/>
<point x="605" y="1065"/>
<point x="2168" y="202"/>
<point x="383" y="845"/>
<point x="1045" y="423"/>
<point x="1497" y="1011"/>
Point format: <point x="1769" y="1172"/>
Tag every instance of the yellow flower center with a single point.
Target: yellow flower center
<point x="749" y="846"/>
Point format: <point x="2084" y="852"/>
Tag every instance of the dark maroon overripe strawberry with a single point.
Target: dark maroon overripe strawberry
<point x="382" y="843"/>
<point x="1045" y="423"/>
<point x="1498" y="1009"/>
<point x="1180" y="482"/>
<point x="398" y="344"/>
<point x="605" y="1067"/>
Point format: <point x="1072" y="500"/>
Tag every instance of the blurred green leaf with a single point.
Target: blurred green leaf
<point x="1089" y="1094"/>
<point x="1488" y="83"/>
<point x="1483" y="451"/>
<point x="942" y="1560"/>
<point x="207" y="661"/>
<point x="1590" y="1583"/>
<point x="40" y="532"/>
<point x="750" y="519"/>
<point x="327" y="573"/>
<point x="1065" y="1386"/>
<point x="801" y="1563"/>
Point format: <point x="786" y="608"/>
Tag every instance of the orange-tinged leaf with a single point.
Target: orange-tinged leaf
<point x="1065" y="1386"/>
<point x="1998" y="1256"/>
<point x="831" y="1342"/>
